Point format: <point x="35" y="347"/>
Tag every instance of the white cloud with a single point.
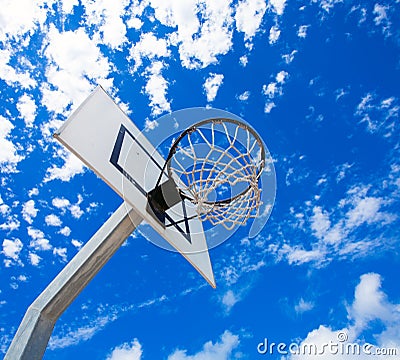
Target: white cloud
<point x="54" y="99"/>
<point x="199" y="45"/>
<point x="74" y="60"/>
<point x="52" y="220"/>
<point x="134" y="23"/>
<point x="27" y="109"/>
<point x="12" y="248"/>
<point x="68" y="5"/>
<point x="10" y="74"/>
<point x="66" y="231"/>
<point x="9" y="157"/>
<point x="11" y="224"/>
<point x="4" y="208"/>
<point x="156" y="88"/>
<point x="22" y="278"/>
<point x="327" y="5"/>
<point x="127" y="351"/>
<point x="219" y="351"/>
<point x="270" y="90"/>
<point x="281" y="77"/>
<point x="150" y="47"/>
<point x="211" y="86"/>
<point x="302" y="32"/>
<point x="320" y="222"/>
<point x="64" y="204"/>
<point x="278" y="6"/>
<point x="72" y="166"/>
<point x="135" y="14"/>
<point x="289" y="57"/>
<point x="274" y="34"/>
<point x="34" y="259"/>
<point x="338" y="231"/>
<point x="370" y="304"/>
<point x="29" y="211"/>
<point x="108" y="14"/>
<point x="243" y="60"/>
<point x="381" y="18"/>
<point x="78" y="244"/>
<point x="244" y="96"/>
<point x="274" y="89"/>
<point x="17" y="23"/>
<point x="38" y="241"/>
<point x="33" y="191"/>
<point x="178" y="14"/>
<point x="150" y="125"/>
<point x="61" y="203"/>
<point x="61" y="252"/>
<point x="367" y="210"/>
<point x="76" y="211"/>
<point x="269" y="105"/>
<point x="297" y="255"/>
<point x="248" y="17"/>
<point x="48" y="130"/>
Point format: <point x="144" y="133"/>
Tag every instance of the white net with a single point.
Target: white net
<point x="217" y="165"/>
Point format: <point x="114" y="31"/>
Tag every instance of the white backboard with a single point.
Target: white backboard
<point x="109" y="143"/>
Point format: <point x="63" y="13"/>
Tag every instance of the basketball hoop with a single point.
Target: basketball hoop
<point x="216" y="164"/>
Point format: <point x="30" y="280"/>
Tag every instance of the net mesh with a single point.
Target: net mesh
<point x="217" y="167"/>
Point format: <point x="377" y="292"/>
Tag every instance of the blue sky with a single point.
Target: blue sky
<point x="318" y="79"/>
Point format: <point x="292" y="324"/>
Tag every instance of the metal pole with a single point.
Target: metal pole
<point x="34" y="332"/>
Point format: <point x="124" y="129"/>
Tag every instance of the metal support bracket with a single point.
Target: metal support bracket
<point x="34" y="332"/>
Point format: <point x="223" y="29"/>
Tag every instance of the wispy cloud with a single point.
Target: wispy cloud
<point x="379" y="114"/>
<point x="273" y="90"/>
<point x="70" y="335"/>
<point x="381" y="18"/>
<point x="303" y="306"/>
<point x="360" y="222"/>
<point x="75" y="336"/>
